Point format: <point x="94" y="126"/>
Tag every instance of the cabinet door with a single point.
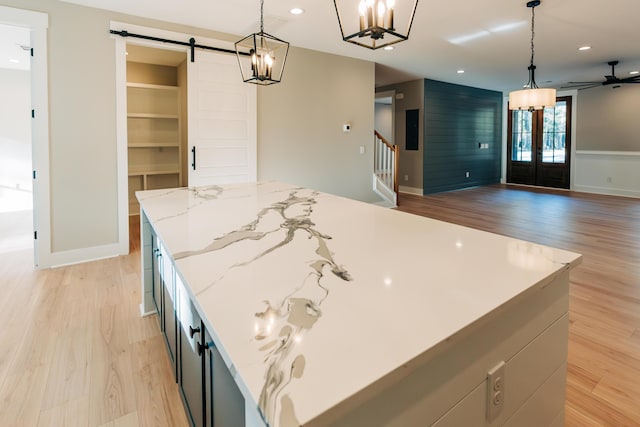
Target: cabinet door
<point x="190" y="361"/>
<point x="224" y="401"/>
<point x="191" y="380"/>
<point x="156" y="289"/>
<point x="169" y="321"/>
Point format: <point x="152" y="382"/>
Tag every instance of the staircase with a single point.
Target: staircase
<point x="385" y="170"/>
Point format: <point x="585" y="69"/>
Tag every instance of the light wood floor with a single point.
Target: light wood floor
<point x="603" y="381"/>
<point x="75" y="351"/>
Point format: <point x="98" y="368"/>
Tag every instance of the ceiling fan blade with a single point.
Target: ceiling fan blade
<point x="582" y="86"/>
<point x="632" y="79"/>
<point x="608" y="80"/>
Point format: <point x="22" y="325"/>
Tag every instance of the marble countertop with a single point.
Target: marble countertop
<point x="312" y="298"/>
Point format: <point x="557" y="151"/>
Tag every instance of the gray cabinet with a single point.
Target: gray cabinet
<point x="168" y="319"/>
<point x="208" y="390"/>
<point x="163" y="293"/>
<point x="191" y="381"/>
<point x="224" y="403"/>
<point x="191" y="363"/>
<point x="156" y="289"/>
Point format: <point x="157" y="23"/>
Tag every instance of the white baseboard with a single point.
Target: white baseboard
<point x="384" y="204"/>
<point x="607" y="191"/>
<point x="410" y="190"/>
<point x="145" y="313"/>
<point x="77" y="256"/>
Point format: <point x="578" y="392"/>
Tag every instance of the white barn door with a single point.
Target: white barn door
<point x="222" y="123"/>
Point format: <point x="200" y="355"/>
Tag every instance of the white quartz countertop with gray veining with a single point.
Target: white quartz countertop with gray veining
<point x="313" y="298"/>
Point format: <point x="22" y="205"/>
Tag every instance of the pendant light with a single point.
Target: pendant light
<point x="532" y="98"/>
<point x="372" y="23"/>
<point x="267" y="56"/>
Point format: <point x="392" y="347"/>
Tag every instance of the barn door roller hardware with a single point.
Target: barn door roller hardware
<point x="191" y="43"/>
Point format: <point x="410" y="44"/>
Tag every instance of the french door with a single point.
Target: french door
<point x="539" y="146"/>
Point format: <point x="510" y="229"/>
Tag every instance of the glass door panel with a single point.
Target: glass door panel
<point x="555" y="133"/>
<point x="521" y="147"/>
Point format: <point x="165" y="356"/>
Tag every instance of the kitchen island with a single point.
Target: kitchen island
<point x="324" y="311"/>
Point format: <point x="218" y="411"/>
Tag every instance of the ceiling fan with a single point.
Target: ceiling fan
<point x="609" y="80"/>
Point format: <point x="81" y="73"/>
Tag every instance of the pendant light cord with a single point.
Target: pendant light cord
<point x="262" y="19"/>
<point x="533" y="17"/>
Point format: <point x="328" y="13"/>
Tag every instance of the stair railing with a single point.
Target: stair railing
<point x="386" y="159"/>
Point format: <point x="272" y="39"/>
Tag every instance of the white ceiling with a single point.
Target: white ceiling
<point x="489" y="39"/>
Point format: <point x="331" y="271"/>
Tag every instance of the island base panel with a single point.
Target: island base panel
<point x="451" y="388"/>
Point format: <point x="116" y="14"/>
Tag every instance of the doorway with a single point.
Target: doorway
<point x="16" y="186"/>
<point x="217" y="115"/>
<point x="37" y="113"/>
<point x="539" y="146"/>
<point x="156" y="120"/>
<point x="384" y="119"/>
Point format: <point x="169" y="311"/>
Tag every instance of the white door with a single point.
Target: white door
<point x="222" y="121"/>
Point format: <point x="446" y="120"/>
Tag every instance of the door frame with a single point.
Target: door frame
<point x="121" y="102"/>
<point x="37" y="23"/>
<point x="505" y="140"/>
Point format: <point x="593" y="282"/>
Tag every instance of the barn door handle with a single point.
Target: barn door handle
<point x="193" y="164"/>
<point x="193" y="331"/>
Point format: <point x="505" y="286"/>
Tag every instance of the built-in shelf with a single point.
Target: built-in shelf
<point x="153" y="130"/>
<point x="152" y="144"/>
<point x="152" y="86"/>
<point x="154" y="172"/>
<point x="152" y="116"/>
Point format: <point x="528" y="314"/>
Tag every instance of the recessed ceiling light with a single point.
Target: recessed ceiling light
<point x="460" y="71"/>
<point x="388" y="48"/>
<point x="634" y="72"/>
<point x="584" y="48"/>
<point x="15" y="61"/>
<point x="296" y="11"/>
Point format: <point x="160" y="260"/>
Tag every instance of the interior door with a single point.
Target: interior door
<point x="222" y="121"/>
<point x="539" y="146"/>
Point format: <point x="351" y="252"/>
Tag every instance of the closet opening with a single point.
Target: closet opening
<point x="156" y="123"/>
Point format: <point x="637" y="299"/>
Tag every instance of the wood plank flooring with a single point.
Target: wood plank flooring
<point x="75" y="351"/>
<point x="603" y="381"/>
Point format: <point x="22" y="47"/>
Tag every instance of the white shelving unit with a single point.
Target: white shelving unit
<point x="153" y="130"/>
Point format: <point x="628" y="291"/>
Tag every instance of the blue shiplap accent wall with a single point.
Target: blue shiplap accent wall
<point x="458" y="118"/>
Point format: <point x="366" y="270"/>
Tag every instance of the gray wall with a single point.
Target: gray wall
<point x="410" y="161"/>
<point x="300" y="137"/>
<point x="384" y="121"/>
<point x="83" y="176"/>
<point x="453" y="120"/>
<point x="607" y="119"/>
